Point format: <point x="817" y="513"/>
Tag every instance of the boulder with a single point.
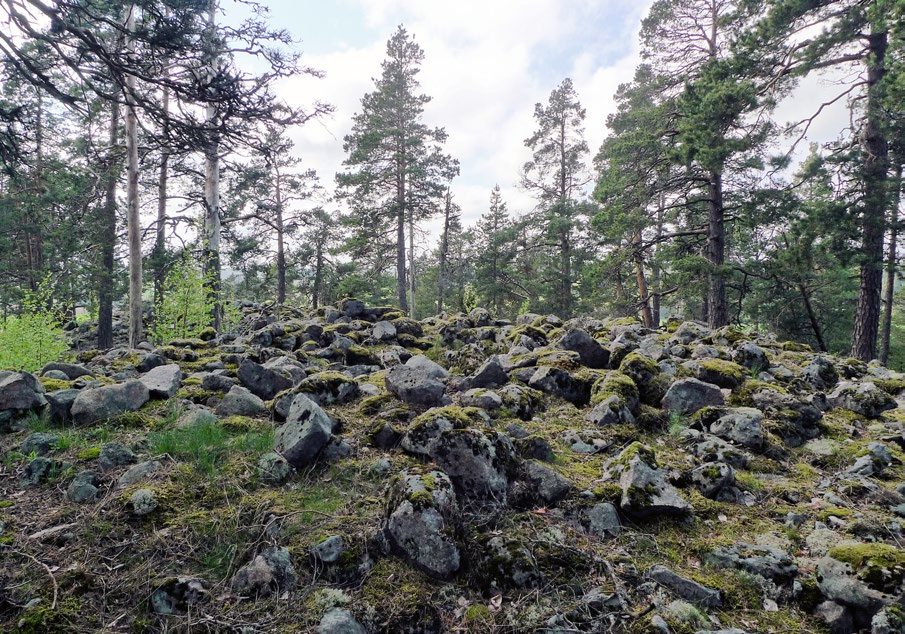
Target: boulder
<point x="163" y="381"/>
<point x="590" y="352"/>
<point x="177" y="595"/>
<point x="416" y="385"/>
<point x="475" y="463"/>
<point x="383" y="331"/>
<point x="863" y="577"/>
<point x="239" y="401"/>
<point x="558" y="382"/>
<point x="862" y="398"/>
<point x="339" y="621"/>
<point x="83" y="487"/>
<point x="108" y="401"/>
<point x="71" y="370"/>
<point x="490" y="374"/>
<point x="260" y="381"/>
<point x="741" y="425"/>
<point x="21" y="392"/>
<point x="114" y="454"/>
<point x="713" y="477"/>
<point x="60" y="405"/>
<point x="274" y="468"/>
<point x="687" y="396"/>
<point x="547" y="485"/>
<point x="645" y="490"/>
<point x="39" y="443"/>
<point x="765" y="561"/>
<point x="305" y="433"/>
<point x="271" y="572"/>
<point x="603" y="520"/>
<point x="685" y="589"/>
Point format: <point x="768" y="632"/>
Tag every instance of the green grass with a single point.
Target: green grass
<point x="206" y="445"/>
<point x="38" y="422"/>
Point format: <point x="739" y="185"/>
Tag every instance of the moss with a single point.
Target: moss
<point x="460" y="416"/>
<point x="634" y="363"/>
<point x="52" y="385"/>
<point x="532" y="332"/>
<point x="891" y="386"/>
<point x="476" y="614"/>
<point x="743" y="395"/>
<point x="881" y="566"/>
<point x="421" y="499"/>
<point x="642" y="451"/>
<point x="795" y="346"/>
<point x="720" y="372"/>
<point x="835" y="511"/>
<point x="43" y="618"/>
<point x="614" y="383"/>
<point x="89" y="453"/>
<point x="195" y="393"/>
<point x="243" y="424"/>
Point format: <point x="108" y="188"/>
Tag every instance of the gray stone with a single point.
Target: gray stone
<point x="548" y="485"/>
<point x="590" y="352"/>
<point x="560" y="383"/>
<point x="196" y="415"/>
<point x="865" y="590"/>
<point x="765" y="561"/>
<point x="474" y="463"/>
<point x="820" y="374"/>
<point x="306" y="431"/>
<point x="837" y="617"/>
<point x="862" y="398"/>
<point x="888" y="621"/>
<point x="21" y="392"/>
<point x="713" y="477"/>
<point x="610" y="411"/>
<point x="137" y="473"/>
<point x="42" y="469"/>
<point x="646" y="493"/>
<point x="414" y="385"/>
<point x="59" y="375"/>
<point x="108" y="401"/>
<point x="427" y="367"/>
<point x="751" y="356"/>
<point x="383" y="331"/>
<point x="213" y="382"/>
<point x="60" y="404"/>
<point x="268" y="573"/>
<point x="83" y="487"/>
<point x="874" y="462"/>
<point x="115" y="454"/>
<point x="163" y="381"/>
<point x="71" y="370"/>
<point x="689" y="331"/>
<point x="39" y="443"/>
<point x="274" y="468"/>
<point x="490" y="374"/>
<point x="261" y="381"/>
<point x="240" y="402"/>
<point x="480" y="397"/>
<point x="143" y="502"/>
<point x="603" y="520"/>
<point x="741" y="425"/>
<point x="687" y="396"/>
<point x="339" y="621"/>
<point x="421" y="520"/>
<point x="685" y="589"/>
<point x="177" y="595"/>
<point x="329" y="550"/>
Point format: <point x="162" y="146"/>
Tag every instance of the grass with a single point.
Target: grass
<point x="207" y="444"/>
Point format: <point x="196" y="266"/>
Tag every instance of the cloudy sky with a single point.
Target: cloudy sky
<point x="487" y="62"/>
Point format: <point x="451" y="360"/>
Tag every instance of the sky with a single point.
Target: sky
<point x="487" y="63"/>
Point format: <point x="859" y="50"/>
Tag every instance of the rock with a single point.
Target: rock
<point x="58" y="375"/>
<point x="508" y="563"/>
<point x="490" y="374"/>
<point x="163" y="381"/>
<point x="268" y="573"/>
<point x="71" y="370"/>
<point x="560" y="383"/>
<point x="352" y="308"/>
<point x="646" y="493"/>
<point x="326" y="388"/>
<point x="21" y="392"/>
<point x="713" y="477"/>
<point x="534" y="447"/>
<point x="796" y="420"/>
<point x="685" y="589"/>
<point x="240" y="402"/>
<point x="60" y="405"/>
<point x="862" y="398"/>
<point x="217" y="382"/>
<point x="83" y="487"/>
<point x="485" y="399"/>
<point x="339" y="621"/>
<point x="547" y="485"/>
<point x="427" y="367"/>
<point x="415" y="385"/>
<point x="889" y="620"/>
<point x="590" y="352"/>
<point x="114" y="454"/>
<point x="610" y="411"/>
<point x="820" y="374"/>
<point x="288" y="367"/>
<point x="42" y="469"/>
<point x="329" y="550"/>
<point x="837" y="617"/>
<point x="689" y="331"/>
<point x="196" y="415"/>
<point x="108" y="401"/>
<point x="603" y="520"/>
<point x="687" y="396"/>
<point x="474" y="463"/>
<point x="177" y="595"/>
<point x="274" y="468"/>
<point x="383" y="331"/>
<point x="765" y="561"/>
<point x="306" y="431"/>
<point x="143" y="502"/>
<point x="751" y="356"/>
<point x="137" y="473"/>
<point x="874" y="461"/>
<point x="260" y="381"/>
<point x="423" y="515"/>
<point x="39" y="443"/>
<point x="741" y="425"/>
<point x="863" y="577"/>
<point x="149" y="362"/>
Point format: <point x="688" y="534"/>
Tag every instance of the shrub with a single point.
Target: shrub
<point x="185" y="309"/>
<point x="33" y="338"/>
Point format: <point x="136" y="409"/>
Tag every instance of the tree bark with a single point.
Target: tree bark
<point x="643" y="292"/>
<point x="281" y="251"/>
<point x="136" y="326"/>
<point x="412" y="261"/>
<point x="444" y="246"/>
<point x="890" y="291"/>
<point x="655" y="269"/>
<point x="812" y="317"/>
<point x="160" y="244"/>
<point x="211" y="260"/>
<point x="717" y="305"/>
<point x="874" y="179"/>
<point x="318" y="273"/>
<point x="108" y="237"/>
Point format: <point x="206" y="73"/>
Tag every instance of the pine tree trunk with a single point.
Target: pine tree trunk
<point x="655" y="273"/>
<point x="211" y="259"/>
<point x="108" y="238"/>
<point x="647" y="316"/>
<point x="133" y="218"/>
<point x="318" y="274"/>
<point x="281" y="251"/>
<point x="717" y="305"/>
<point x="890" y="291"/>
<point x="444" y="246"/>
<point x="412" y="266"/>
<point x="160" y="244"/>
<point x="812" y="317"/>
<point x="874" y="180"/>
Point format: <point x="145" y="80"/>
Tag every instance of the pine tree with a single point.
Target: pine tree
<point x="494" y="253"/>
<point x="398" y="172"/>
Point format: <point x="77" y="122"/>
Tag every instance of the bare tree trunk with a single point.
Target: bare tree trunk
<point x="444" y="246"/>
<point x="160" y="243"/>
<point x="646" y="315"/>
<point x="655" y="268"/>
<point x="281" y="251"/>
<point x="412" y="265"/>
<point x="318" y="273"/>
<point x="717" y="304"/>
<point x="874" y="176"/>
<point x="108" y="237"/>
<point x="886" y="330"/>
<point x="133" y="218"/>
<point x="211" y="262"/>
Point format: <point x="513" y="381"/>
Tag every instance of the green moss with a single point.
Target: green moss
<point x="891" y="386"/>
<point x="720" y="372"/>
<point x="642" y="451"/>
<point x="881" y="566"/>
<point x="243" y="424"/>
<point x="89" y="453"/>
<point x="459" y="416"/>
<point x="794" y="346"/>
<point x="634" y="363"/>
<point x="614" y="383"/>
<point x="43" y="618"/>
<point x="52" y="385"/>
<point x="421" y="499"/>
<point x="476" y="614"/>
<point x="743" y="395"/>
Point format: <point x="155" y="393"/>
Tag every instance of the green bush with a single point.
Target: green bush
<point x="33" y="338"/>
<point x="185" y="309"/>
